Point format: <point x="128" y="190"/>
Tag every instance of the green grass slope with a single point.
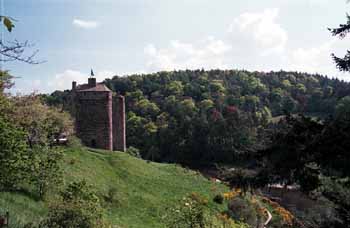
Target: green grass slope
<point x="143" y="189"/>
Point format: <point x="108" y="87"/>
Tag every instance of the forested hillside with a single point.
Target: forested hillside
<point x="197" y="117"/>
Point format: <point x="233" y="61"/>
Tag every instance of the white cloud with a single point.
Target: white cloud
<point x="254" y="41"/>
<point x="85" y="24"/>
<point x="320" y="2"/>
<point x="207" y="53"/>
<point x="62" y="81"/>
<point x="318" y="59"/>
<point x="247" y="42"/>
<point x="313" y="59"/>
<point x="260" y="30"/>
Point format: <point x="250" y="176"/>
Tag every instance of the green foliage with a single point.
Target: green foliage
<point x="314" y="155"/>
<point x="191" y="212"/>
<point x="144" y="189"/>
<point x="42" y="123"/>
<point x="240" y="209"/>
<point x="287" y="158"/>
<point x="133" y="152"/>
<point x="342" y="31"/>
<point x="243" y="179"/>
<point x="197" y="117"/>
<point x="309" y="177"/>
<point x="7" y="22"/>
<point x="218" y="199"/>
<point x="206" y="104"/>
<point x="216" y="87"/>
<point x="111" y="196"/>
<point x="14" y="50"/>
<point x="79" y="207"/>
<point x="45" y="169"/>
<point x="5" y="81"/>
<point x="342" y="109"/>
<point x="13" y="156"/>
<point x="338" y="192"/>
<point x="174" y="88"/>
<point x="145" y="107"/>
<point x="74" y="142"/>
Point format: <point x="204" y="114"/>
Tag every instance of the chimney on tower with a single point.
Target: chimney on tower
<point x="92" y="82"/>
<point x="74" y="85"/>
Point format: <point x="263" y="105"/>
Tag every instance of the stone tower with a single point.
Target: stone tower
<point x="100" y="116"/>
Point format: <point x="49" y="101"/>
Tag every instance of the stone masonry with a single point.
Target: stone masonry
<point x="100" y="116"/>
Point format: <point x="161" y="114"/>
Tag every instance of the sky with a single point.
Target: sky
<point x="121" y="37"/>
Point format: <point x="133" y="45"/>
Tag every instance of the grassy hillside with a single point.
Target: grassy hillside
<point x="143" y="189"/>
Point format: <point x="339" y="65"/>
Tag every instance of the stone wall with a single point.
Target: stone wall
<point x="119" y="134"/>
<point x="94" y="118"/>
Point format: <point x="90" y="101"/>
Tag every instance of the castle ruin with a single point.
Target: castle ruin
<point x="100" y="116"/>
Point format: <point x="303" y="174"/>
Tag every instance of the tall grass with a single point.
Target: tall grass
<point x="134" y="192"/>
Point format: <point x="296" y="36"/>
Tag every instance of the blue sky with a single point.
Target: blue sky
<point x="130" y="36"/>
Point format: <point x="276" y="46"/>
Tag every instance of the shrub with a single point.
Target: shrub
<point x="191" y="212"/>
<point x="78" y="207"/>
<point x="46" y="172"/>
<point x="74" y="142"/>
<point x="241" y="209"/>
<point x="111" y="196"/>
<point x="42" y="124"/>
<point x="133" y="152"/>
<point x="218" y="199"/>
<point x="243" y="179"/>
<point x="13" y="156"/>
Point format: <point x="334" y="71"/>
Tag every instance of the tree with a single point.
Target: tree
<point x="13" y="156"/>
<point x="45" y="169"/>
<point x="343" y="64"/>
<point x="174" y="88"/>
<point x="78" y="207"/>
<point x="145" y="107"/>
<point x="15" y="50"/>
<point x="342" y="109"/>
<point x="42" y="123"/>
<point x="5" y="81"/>
<point x="335" y="139"/>
<point x="288" y="158"/>
<point x="210" y="116"/>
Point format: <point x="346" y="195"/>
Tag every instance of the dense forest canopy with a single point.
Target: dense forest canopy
<point x="203" y="116"/>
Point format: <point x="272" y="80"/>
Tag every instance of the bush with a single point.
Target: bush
<point x="218" y="199"/>
<point x="191" y="212"/>
<point x="133" y="152"/>
<point x="13" y="156"/>
<point x="78" y="207"/>
<point x="74" y="142"/>
<point x="243" y="179"/>
<point x="111" y="196"/>
<point x="242" y="210"/>
<point x="46" y="172"/>
<point x="42" y="124"/>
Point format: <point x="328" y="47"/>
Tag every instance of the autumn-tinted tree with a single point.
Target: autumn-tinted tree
<point x="197" y="116"/>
